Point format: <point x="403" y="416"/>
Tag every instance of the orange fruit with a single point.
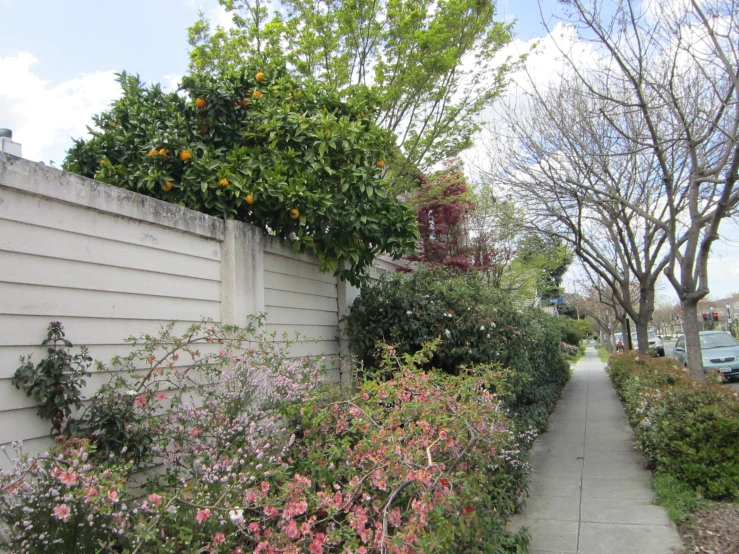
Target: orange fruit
<point x="102" y="162"/>
<point x="201" y="103"/>
<point x="223" y="182"/>
<point x="257" y="94"/>
<point x="167" y="186"/>
<point x="163" y="152"/>
<point x="295" y="213"/>
<point x="185" y="155"/>
<point x="381" y="164"/>
<point x="153" y="152"/>
<point x="260" y="77"/>
<point x="249" y="199"/>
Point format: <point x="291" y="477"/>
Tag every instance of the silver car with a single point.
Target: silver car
<point x="655" y="343"/>
<point x="720" y="352"/>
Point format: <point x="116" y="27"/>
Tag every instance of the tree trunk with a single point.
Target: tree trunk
<point x="691" y="328"/>
<point x="642" y="336"/>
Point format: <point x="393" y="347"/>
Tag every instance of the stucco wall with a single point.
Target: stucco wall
<point x="110" y="263"/>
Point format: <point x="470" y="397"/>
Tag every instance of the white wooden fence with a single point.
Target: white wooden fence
<point x="109" y="263"/>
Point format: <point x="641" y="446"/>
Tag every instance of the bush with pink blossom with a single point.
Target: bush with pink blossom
<point x="246" y="453"/>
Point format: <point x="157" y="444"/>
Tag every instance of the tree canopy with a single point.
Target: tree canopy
<point x="428" y="66"/>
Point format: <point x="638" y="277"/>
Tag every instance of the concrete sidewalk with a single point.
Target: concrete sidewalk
<point x="589" y="488"/>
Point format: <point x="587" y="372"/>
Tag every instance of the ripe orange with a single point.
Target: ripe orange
<point x="185" y="155"/>
<point x="201" y="103"/>
<point x="381" y="164"/>
<point x="167" y="186"/>
<point x="223" y="182"/>
<point x="295" y="213"/>
<point x="153" y="152"/>
<point x="249" y="199"/>
<point x="163" y="152"/>
<point x="257" y="94"/>
<point x="260" y="77"/>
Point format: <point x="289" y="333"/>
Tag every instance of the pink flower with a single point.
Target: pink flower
<point x="365" y="396"/>
<point x="160" y="396"/>
<point x="394" y="517"/>
<point x="219" y="538"/>
<point x="195" y="433"/>
<point x="442" y="434"/>
<point x="316" y="547"/>
<point x="140" y="401"/>
<point x="62" y="512"/>
<point x="113" y="495"/>
<point x="254" y="527"/>
<point x="202" y="515"/>
<point x="265" y="486"/>
<point x="155" y="499"/>
<point x="69" y="479"/>
<point x="91" y="493"/>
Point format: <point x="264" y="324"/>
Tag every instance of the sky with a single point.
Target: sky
<point x="58" y="61"/>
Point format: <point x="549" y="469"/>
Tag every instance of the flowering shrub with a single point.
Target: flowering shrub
<point x="64" y="499"/>
<point x="262" y="461"/>
<point x="476" y="325"/>
<point x="687" y="429"/>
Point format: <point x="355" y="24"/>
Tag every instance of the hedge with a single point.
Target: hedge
<point x="687" y="429"/>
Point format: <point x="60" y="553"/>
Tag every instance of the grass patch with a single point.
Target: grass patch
<point x="603" y="353"/>
<point x="679" y="499"/>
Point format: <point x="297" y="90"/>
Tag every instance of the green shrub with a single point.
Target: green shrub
<point x="687" y="429"/>
<point x="573" y="331"/>
<point x="477" y="326"/>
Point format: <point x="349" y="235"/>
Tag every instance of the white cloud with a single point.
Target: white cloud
<point x="44" y="117"/>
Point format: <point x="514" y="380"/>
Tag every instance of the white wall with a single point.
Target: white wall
<point x="109" y="263"/>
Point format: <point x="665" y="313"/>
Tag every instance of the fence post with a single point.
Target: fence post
<point x="242" y="273"/>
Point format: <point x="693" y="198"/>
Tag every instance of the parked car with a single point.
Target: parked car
<point x="720" y="352"/>
<point x="655" y="343"/>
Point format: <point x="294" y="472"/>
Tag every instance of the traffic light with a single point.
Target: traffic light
<point x="705" y="317"/>
<point x="715" y="316"/>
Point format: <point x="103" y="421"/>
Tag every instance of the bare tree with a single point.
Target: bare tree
<point x="662" y="98"/>
<point x="596" y="299"/>
<point x="568" y="165"/>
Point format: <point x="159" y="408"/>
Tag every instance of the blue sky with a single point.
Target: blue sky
<point x="58" y="59"/>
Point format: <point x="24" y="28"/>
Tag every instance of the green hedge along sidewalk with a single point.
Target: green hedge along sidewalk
<point x="589" y="487"/>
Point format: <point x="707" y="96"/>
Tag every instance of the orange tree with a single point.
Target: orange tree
<point x="257" y="145"/>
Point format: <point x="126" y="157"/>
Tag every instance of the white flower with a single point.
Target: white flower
<point x="447" y="333"/>
<point x="488" y="335"/>
<point x="492" y="325"/>
<point x="482" y="327"/>
<point x="131" y="392"/>
<point x="409" y="312"/>
<point x="236" y="514"/>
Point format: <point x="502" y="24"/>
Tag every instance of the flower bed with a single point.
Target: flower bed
<point x="247" y="454"/>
